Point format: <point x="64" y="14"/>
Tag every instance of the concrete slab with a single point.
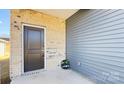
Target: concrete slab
<point x="56" y="76"/>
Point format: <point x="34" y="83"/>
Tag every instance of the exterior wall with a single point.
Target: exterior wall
<point x="2" y="49"/>
<point x="7" y="49"/>
<point x="95" y="44"/>
<point x="55" y="38"/>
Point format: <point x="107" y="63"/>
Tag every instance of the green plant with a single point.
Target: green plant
<point x="65" y="64"/>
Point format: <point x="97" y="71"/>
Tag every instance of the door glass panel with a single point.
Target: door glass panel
<point x="34" y="40"/>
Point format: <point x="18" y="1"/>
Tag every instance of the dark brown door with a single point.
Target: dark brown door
<point x="33" y="48"/>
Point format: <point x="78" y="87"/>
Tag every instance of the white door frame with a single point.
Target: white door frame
<point x="22" y="64"/>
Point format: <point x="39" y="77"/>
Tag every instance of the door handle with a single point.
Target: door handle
<point x="43" y="55"/>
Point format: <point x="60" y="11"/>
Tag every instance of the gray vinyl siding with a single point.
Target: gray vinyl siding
<point x="95" y="44"/>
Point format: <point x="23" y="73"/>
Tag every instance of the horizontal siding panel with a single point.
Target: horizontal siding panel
<point x="109" y="27"/>
<point x="113" y="58"/>
<point x="102" y="20"/>
<point x="101" y="49"/>
<point x="82" y="17"/>
<point x="102" y="45"/>
<point x="107" y="37"/>
<point x="95" y="44"/>
<point x="89" y="18"/>
<point x="103" y="65"/>
<point x="100" y="74"/>
<point x="114" y="61"/>
<point x="100" y="32"/>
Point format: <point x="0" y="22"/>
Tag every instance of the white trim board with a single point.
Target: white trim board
<point x="22" y="64"/>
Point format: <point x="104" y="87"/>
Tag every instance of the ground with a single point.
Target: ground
<point x="56" y="76"/>
<point x="4" y="69"/>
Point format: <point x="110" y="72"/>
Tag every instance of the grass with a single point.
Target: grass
<point x="4" y="62"/>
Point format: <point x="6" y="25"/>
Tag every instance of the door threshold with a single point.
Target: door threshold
<point x="33" y="72"/>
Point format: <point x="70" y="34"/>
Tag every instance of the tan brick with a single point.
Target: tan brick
<point x="55" y="36"/>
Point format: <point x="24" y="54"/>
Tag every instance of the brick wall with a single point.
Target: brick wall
<point x="55" y="38"/>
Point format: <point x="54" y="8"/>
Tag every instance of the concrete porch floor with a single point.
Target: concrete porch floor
<point x="56" y="76"/>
